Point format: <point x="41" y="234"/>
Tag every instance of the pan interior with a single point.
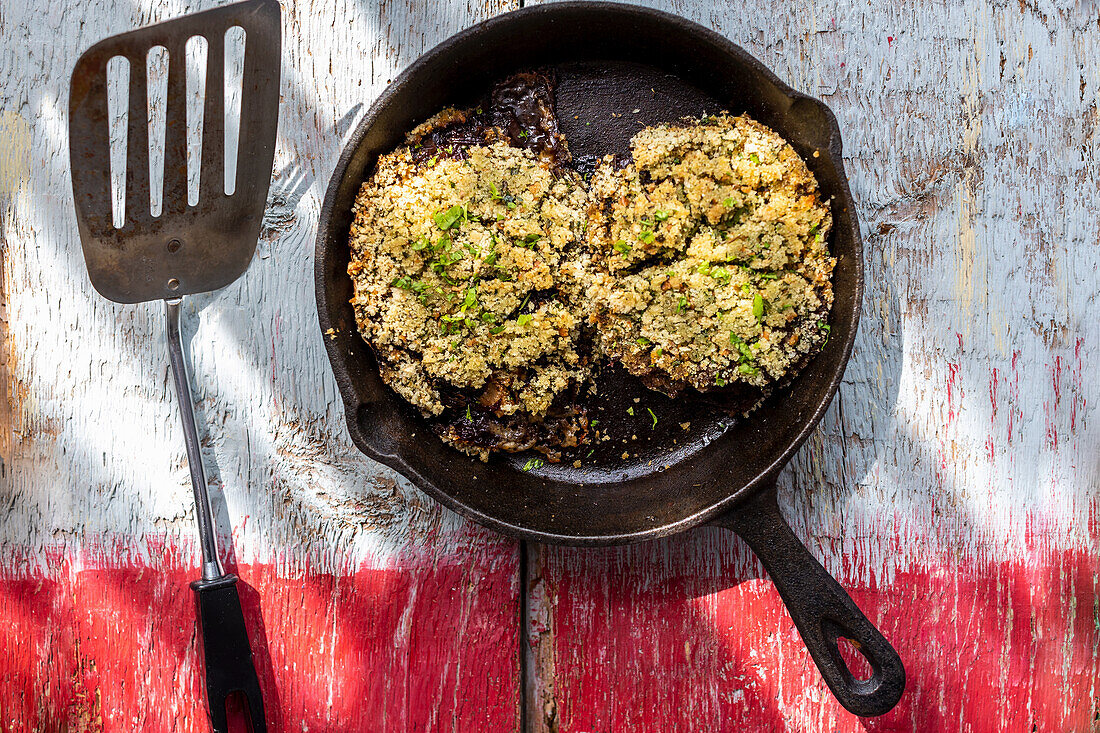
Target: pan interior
<point x="694" y="457"/>
<point x="600" y="106"/>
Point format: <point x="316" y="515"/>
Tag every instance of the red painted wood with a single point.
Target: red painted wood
<point x="691" y="635"/>
<point x="429" y="643"/>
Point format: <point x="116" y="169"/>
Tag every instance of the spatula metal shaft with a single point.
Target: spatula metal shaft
<point x="211" y="565"/>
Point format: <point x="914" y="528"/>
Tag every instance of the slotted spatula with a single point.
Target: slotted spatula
<point x="185" y="249"/>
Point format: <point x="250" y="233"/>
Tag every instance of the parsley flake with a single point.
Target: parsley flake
<point x="447" y="219"/>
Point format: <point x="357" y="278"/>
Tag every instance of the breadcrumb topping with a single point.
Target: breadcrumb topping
<point x="454" y="266"/>
<point x="709" y="262"/>
<point x="703" y="262"/>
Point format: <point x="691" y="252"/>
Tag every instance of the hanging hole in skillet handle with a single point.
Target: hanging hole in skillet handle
<point x="826" y="617"/>
<point x="858" y="665"/>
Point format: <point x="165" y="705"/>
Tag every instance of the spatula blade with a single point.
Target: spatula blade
<point x="185" y="249"/>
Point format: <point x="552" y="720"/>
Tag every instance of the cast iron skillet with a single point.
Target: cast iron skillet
<point x="619" y="58"/>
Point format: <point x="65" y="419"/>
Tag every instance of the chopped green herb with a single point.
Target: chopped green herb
<point x="728" y="203"/>
<point x="528" y="242"/>
<point x="593" y="423"/>
<point x="827" y="329"/>
<point x="621" y="246"/>
<point x="496" y="329"/>
<point x="533" y="463"/>
<point x="652" y="415"/>
<point x="524" y="319"/>
<point x="590" y="453"/>
<point x="468" y="415"/>
<point x="422" y="243"/>
<point x="719" y="382"/>
<point x="523" y="134"/>
<point x="660" y="215"/>
<point x="658" y="351"/>
<point x="642" y="341"/>
<point x="819" y="237"/>
<point x="511" y="204"/>
<point x="758" y="306"/>
<point x="748" y="369"/>
<point x="754" y="158"/>
<point x="630" y="411"/>
<point x="647" y="237"/>
<point x="471" y="299"/>
<point x="681" y="306"/>
<point x="742" y="347"/>
<point x="447" y="219"/>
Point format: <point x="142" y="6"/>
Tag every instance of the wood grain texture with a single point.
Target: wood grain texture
<point x="381" y="610"/>
<point x="953" y="485"/>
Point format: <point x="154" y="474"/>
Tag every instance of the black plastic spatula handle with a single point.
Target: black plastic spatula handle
<point x="226" y="652"/>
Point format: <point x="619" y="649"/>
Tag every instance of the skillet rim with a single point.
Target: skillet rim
<point x="765" y="478"/>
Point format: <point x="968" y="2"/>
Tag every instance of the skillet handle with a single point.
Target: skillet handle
<point x="820" y="608"/>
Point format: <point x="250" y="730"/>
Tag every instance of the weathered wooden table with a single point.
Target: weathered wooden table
<point x="953" y="486"/>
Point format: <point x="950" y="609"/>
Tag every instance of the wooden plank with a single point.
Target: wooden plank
<point x="380" y="611"/>
<point x="952" y="486"/>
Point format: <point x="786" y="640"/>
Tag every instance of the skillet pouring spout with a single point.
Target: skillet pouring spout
<point x="823" y="612"/>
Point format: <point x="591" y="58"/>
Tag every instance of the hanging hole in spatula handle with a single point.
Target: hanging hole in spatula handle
<point x="825" y="615"/>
